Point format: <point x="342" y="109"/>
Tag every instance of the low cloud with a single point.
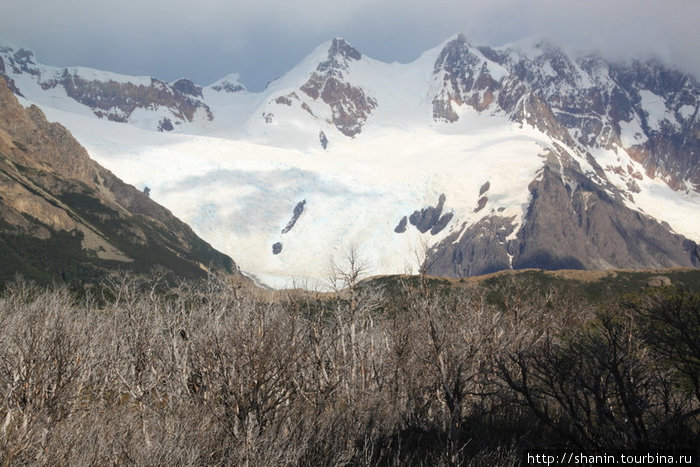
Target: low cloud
<point x="207" y="39"/>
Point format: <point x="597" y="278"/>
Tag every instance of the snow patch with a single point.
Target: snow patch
<point x="686" y="111"/>
<point x="656" y="110"/>
<point x="631" y="133"/>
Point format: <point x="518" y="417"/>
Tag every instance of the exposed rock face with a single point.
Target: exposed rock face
<point x="63" y="216"/>
<point x="564" y="228"/>
<point x="286" y="100"/>
<point x="117" y="101"/>
<point x="401" y="226"/>
<point x="481" y="203"/>
<point x="108" y="98"/>
<point x="484" y="188"/>
<point x="586" y="228"/>
<point x="296" y="214"/>
<point x="428" y="219"/>
<point x="165" y="125"/>
<point x="349" y="104"/>
<point x="441" y="223"/>
<point x="185" y="86"/>
<point x="229" y="84"/>
<point x="298" y="210"/>
<point x="643" y="107"/>
<point x="481" y="249"/>
<point x="466" y="79"/>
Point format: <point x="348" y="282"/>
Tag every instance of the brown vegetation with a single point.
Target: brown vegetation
<point x="138" y="372"/>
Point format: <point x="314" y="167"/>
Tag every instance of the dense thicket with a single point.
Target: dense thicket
<point x="138" y="372"/>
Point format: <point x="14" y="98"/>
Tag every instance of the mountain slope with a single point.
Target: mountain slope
<point x="474" y="158"/>
<point x="578" y="217"/>
<point x="64" y="216"/>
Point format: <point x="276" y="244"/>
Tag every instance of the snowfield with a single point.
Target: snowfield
<point x="236" y="179"/>
<point x="239" y="195"/>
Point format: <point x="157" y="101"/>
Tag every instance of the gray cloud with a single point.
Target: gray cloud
<point x="262" y="39"/>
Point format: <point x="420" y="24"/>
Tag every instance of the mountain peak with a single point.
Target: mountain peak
<point x="456" y="53"/>
<point x="340" y="47"/>
<point x="340" y="54"/>
<point x="230" y="83"/>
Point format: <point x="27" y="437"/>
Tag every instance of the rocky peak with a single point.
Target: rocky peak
<point x="229" y="84"/>
<point x="643" y="107"/>
<point x="340" y="54"/>
<point x="457" y="56"/>
<point x="18" y="61"/>
<point x="467" y="78"/>
<point x="340" y="48"/>
<point x="349" y="104"/>
<point x="186" y="86"/>
<point x="24" y="59"/>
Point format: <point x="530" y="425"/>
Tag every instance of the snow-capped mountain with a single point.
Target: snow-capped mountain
<point x="471" y="159"/>
<point x="143" y="101"/>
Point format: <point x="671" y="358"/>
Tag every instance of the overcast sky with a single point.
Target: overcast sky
<point x="206" y="39"/>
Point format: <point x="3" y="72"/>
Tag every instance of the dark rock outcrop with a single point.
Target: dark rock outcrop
<point x="228" y="87"/>
<point x="484" y="188"/>
<point x="481" y="203"/>
<point x="426" y="218"/>
<point x="185" y="86"/>
<point x="165" y="125"/>
<point x="441" y="223"/>
<point x="298" y="211"/>
<point x="401" y="226"/>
